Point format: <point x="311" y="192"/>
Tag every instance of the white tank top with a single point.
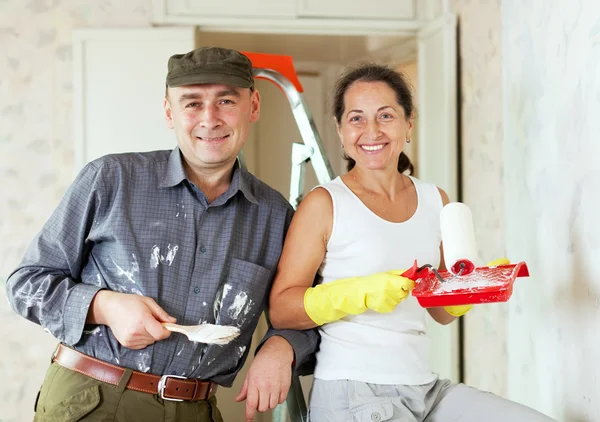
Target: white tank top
<point x="372" y="347"/>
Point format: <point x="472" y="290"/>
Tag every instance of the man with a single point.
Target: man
<point x="142" y="239"/>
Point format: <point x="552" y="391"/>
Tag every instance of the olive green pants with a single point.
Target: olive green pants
<point x="68" y="396"/>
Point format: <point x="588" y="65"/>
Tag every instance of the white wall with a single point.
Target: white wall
<point x="409" y="70"/>
<point x="36" y="157"/>
<point x="530" y="104"/>
<point x="480" y="55"/>
<point x="551" y="56"/>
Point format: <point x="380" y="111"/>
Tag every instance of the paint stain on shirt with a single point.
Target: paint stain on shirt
<point x="157" y="258"/>
<point x="143" y="364"/>
<point x="238" y="304"/>
<point x="135" y="268"/>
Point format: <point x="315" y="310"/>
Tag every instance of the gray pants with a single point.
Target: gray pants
<point x="439" y="401"/>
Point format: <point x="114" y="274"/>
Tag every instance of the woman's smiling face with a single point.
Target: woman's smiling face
<point x="373" y="127"/>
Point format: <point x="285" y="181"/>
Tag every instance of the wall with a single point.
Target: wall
<point x="409" y="70"/>
<point x="480" y="57"/>
<point x="36" y="157"/>
<point x="551" y="66"/>
<point x="530" y="85"/>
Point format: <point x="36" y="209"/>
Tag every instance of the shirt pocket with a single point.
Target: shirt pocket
<point x="243" y="293"/>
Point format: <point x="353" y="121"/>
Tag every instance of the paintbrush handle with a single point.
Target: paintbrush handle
<point x="175" y="328"/>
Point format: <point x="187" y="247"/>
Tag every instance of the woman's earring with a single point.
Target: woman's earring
<point x="342" y="146"/>
<point x="408" y="140"/>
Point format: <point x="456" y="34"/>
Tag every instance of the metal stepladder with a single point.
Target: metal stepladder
<point x="280" y="71"/>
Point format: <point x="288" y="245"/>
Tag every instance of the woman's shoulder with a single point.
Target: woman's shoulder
<point x="430" y="191"/>
<point x="319" y="198"/>
<point x="333" y="184"/>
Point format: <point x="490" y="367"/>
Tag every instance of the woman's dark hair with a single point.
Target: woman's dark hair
<point x="370" y="72"/>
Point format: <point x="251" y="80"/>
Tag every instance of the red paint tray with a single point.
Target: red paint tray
<point x="483" y="285"/>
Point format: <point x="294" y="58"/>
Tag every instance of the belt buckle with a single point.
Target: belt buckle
<point x="162" y="384"/>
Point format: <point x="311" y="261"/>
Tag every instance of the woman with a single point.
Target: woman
<point x="356" y="234"/>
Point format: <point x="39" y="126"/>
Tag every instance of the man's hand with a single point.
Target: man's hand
<point x="134" y="320"/>
<point x="269" y="377"/>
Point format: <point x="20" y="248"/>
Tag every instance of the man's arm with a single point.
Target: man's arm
<point x="303" y="343"/>
<point x="46" y="287"/>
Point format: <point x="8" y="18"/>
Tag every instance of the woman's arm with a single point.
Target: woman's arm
<point x="303" y="252"/>
<point x="439" y="314"/>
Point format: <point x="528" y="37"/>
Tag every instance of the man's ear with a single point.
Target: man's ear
<point x="168" y="113"/>
<point x="254" y="106"/>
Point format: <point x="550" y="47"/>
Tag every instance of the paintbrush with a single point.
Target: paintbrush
<point x="205" y="333"/>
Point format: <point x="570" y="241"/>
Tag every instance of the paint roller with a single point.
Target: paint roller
<point x="458" y="239"/>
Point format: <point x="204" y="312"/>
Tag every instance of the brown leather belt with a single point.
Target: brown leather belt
<point x="169" y="387"/>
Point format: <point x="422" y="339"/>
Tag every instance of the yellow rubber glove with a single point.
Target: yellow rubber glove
<point x="460" y="310"/>
<point x="380" y="292"/>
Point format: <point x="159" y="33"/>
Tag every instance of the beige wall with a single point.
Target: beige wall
<point x="36" y="157"/>
<point x="531" y="94"/>
<point x="551" y="68"/>
<point x="480" y="55"/>
<point x="409" y="69"/>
